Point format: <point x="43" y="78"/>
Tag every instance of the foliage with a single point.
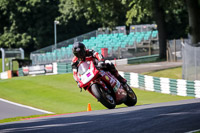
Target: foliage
<point x="166" y="14"/>
<point x="12" y="39"/>
<point x="25" y="23"/>
<point x="105" y="13"/>
<point x="139" y="9"/>
<point x="29" y="23"/>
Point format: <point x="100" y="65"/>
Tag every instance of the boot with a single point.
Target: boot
<point x="118" y="76"/>
<point x="111" y="68"/>
<point x="121" y="79"/>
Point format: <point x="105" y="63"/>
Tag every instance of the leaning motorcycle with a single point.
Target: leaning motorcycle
<point x="104" y="86"/>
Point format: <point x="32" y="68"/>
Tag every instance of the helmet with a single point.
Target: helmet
<point x="79" y="50"/>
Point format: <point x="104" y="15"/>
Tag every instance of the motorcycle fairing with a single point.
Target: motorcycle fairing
<point x="88" y="75"/>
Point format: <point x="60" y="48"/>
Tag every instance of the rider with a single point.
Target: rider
<point x="81" y="53"/>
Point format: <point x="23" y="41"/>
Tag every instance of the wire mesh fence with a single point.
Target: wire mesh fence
<point x="191" y="61"/>
<point x="174" y="50"/>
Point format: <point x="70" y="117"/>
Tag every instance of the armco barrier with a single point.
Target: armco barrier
<point x="163" y="85"/>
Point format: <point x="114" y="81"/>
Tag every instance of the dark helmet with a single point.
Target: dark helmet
<point x="79" y="50"/>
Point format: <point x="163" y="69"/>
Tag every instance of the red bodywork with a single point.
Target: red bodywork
<point x="106" y="80"/>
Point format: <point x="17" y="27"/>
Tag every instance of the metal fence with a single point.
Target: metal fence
<point x="118" y="43"/>
<point x="67" y="42"/>
<point x="143" y="27"/>
<point x="49" y="54"/>
<point x="174" y="50"/>
<point x="191" y="61"/>
<point x="9" y="54"/>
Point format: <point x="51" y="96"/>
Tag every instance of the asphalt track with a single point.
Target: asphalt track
<point x="171" y="117"/>
<point x="9" y="109"/>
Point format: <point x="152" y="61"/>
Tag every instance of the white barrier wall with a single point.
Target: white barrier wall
<point x="163" y="85"/>
<point x="6" y="75"/>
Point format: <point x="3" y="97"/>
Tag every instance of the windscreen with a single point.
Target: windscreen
<point x="83" y="68"/>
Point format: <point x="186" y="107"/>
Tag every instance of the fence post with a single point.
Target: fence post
<point x="149" y="48"/>
<point x="183" y="57"/>
<point x="174" y="50"/>
<point x="22" y="53"/>
<point x="3" y="59"/>
<point x="195" y="59"/>
<point x="167" y="52"/>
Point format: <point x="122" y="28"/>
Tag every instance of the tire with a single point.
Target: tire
<point x="106" y="99"/>
<point x="131" y="97"/>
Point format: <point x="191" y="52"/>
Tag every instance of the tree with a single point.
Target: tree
<point x="194" y="20"/>
<point x="162" y="12"/>
<point x="8" y="30"/>
<point x="102" y="12"/>
<point x="30" y="24"/>
<point x="159" y="15"/>
<point x="107" y="13"/>
<point x="27" y="23"/>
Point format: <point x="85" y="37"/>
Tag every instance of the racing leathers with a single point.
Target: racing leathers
<point x="96" y="58"/>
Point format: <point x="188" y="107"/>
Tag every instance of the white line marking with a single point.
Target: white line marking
<point x="35" y="128"/>
<point x="194" y="131"/>
<point x="25" y="106"/>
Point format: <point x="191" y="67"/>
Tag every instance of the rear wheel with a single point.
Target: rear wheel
<point x="131" y="97"/>
<point x="104" y="97"/>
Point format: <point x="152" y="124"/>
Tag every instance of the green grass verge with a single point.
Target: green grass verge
<point x="173" y="73"/>
<point x="60" y="94"/>
<point x="21" y="118"/>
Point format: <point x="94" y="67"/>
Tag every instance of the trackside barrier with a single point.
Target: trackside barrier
<point x="142" y="59"/>
<point x="20" y="70"/>
<point x="134" y="60"/>
<point x="48" y="69"/>
<point x="6" y="75"/>
<point x="163" y="85"/>
<point x="64" y="68"/>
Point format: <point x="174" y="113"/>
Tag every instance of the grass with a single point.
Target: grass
<point x="173" y="73"/>
<point x="60" y="94"/>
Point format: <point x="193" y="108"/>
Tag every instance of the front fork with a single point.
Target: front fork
<point x="99" y="82"/>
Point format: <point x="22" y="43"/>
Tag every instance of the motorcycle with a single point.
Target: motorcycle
<point x="104" y="86"/>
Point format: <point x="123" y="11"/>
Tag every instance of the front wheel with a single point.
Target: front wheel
<point x="104" y="97"/>
<point x="131" y="97"/>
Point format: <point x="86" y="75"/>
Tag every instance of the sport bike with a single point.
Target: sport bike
<point x="104" y="86"/>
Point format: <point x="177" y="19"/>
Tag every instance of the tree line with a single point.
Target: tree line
<point x="30" y="23"/>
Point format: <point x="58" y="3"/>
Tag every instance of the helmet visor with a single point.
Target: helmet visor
<point x="79" y="53"/>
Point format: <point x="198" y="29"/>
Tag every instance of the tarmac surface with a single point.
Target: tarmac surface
<point x="9" y="109"/>
<point x="148" y="67"/>
<point x="170" y="117"/>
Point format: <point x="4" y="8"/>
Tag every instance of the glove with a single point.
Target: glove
<point x="101" y="64"/>
<point x="79" y="87"/>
